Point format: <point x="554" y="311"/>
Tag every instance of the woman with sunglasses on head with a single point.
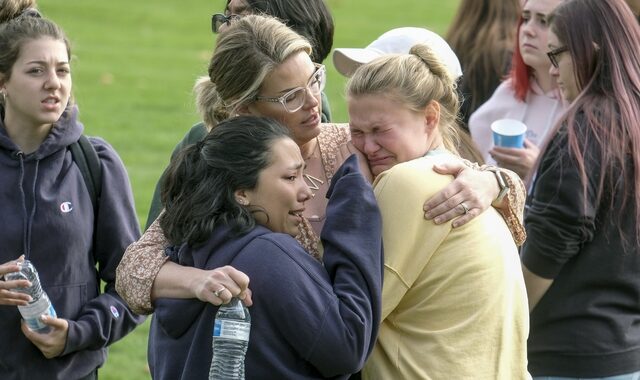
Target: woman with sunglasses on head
<point x="311" y="19"/>
<point x="529" y="94"/>
<point x="582" y="256"/>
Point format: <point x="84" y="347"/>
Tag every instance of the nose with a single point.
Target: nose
<point x="52" y="81"/>
<point x="305" y="192"/>
<point x="310" y="100"/>
<point x="527" y="28"/>
<point x="553" y="71"/>
<point x="370" y="145"/>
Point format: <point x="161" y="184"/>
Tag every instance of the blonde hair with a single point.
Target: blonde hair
<point x="245" y="54"/>
<point x="413" y="79"/>
<point x="10" y="9"/>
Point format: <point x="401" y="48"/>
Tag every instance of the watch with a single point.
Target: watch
<point x="501" y="177"/>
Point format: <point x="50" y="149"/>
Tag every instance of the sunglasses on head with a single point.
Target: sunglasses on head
<point x="219" y="19"/>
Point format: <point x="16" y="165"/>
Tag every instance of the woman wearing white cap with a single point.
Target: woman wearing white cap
<point x="260" y="67"/>
<point x="454" y="303"/>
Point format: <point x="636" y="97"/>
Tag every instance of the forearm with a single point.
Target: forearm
<point x="175" y="281"/>
<point x="141" y="263"/>
<point x="536" y="286"/>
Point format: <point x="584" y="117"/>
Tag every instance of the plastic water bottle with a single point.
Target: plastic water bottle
<point x="39" y="304"/>
<point x="230" y="340"/>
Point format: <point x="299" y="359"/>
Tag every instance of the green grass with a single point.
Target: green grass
<point x="133" y="69"/>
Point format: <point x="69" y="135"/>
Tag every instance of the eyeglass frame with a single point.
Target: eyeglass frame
<point x="222" y="19"/>
<point x="281" y="99"/>
<point x="553" y="55"/>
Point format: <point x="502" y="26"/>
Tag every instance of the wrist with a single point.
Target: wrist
<point x="503" y="185"/>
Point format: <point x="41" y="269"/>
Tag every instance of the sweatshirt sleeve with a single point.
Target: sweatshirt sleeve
<point x="561" y="217"/>
<point x="330" y="318"/>
<point x="107" y="318"/>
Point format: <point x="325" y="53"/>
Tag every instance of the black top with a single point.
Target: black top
<point x="588" y="322"/>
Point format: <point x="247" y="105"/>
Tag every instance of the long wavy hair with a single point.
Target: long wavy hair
<point x="482" y="35"/>
<point x="199" y="185"/>
<point x="606" y="64"/>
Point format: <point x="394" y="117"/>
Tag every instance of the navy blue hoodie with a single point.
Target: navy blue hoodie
<point x="47" y="215"/>
<point x="308" y="320"/>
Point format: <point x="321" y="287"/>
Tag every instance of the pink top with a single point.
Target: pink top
<point x="539" y="112"/>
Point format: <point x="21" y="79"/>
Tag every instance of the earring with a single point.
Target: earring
<point x="243" y="202"/>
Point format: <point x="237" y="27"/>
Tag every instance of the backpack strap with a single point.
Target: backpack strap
<point x="86" y="157"/>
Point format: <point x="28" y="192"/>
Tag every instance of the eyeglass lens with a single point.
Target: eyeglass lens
<point x="294" y="100"/>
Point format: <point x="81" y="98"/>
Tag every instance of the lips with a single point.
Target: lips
<point x="312" y="120"/>
<point x="51" y="100"/>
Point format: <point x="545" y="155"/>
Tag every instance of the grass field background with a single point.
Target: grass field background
<point x="133" y="69"/>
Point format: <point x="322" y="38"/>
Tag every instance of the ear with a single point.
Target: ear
<point x="242" y="197"/>
<point x="243" y="110"/>
<point x="432" y="116"/>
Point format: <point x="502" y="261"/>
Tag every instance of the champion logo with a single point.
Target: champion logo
<point x="114" y="311"/>
<point x="66" y="207"/>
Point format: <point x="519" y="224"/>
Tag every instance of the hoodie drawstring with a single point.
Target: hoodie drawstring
<point x="28" y="219"/>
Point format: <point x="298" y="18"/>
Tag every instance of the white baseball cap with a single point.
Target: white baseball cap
<point x="396" y="41"/>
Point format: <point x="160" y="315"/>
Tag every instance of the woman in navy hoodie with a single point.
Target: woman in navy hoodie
<point x="48" y="216"/>
<point x="237" y="198"/>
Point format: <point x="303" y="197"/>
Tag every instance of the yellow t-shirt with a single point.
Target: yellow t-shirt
<point x="454" y="303"/>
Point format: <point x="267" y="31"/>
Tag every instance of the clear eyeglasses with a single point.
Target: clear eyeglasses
<point x="294" y="99"/>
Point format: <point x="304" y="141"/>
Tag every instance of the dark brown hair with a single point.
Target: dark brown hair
<point x="606" y="65"/>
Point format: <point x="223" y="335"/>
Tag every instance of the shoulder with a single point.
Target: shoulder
<point x="501" y="101"/>
<point x="281" y="251"/>
<point x="103" y="148"/>
<point x="336" y="133"/>
<point x="415" y="177"/>
<point x="197" y="132"/>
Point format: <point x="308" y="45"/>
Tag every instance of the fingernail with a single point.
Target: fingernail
<point x="427" y="215"/>
<point x="437" y="220"/>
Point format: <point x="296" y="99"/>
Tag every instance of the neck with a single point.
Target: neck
<point x="27" y="138"/>
<point x="544" y="80"/>
<point x="307" y="149"/>
<point x="435" y="143"/>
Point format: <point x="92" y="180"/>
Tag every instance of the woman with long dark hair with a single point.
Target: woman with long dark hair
<point x="581" y="259"/>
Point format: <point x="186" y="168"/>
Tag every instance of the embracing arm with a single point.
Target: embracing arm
<point x="145" y="274"/>
<point x="478" y="187"/>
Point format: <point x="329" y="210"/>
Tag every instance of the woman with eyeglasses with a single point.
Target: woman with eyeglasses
<point x="260" y="67"/>
<point x="311" y="19"/>
<point x="582" y="256"/>
<point x="529" y="94"/>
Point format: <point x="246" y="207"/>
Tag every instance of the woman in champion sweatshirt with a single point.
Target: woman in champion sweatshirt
<point x="48" y="216"/>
